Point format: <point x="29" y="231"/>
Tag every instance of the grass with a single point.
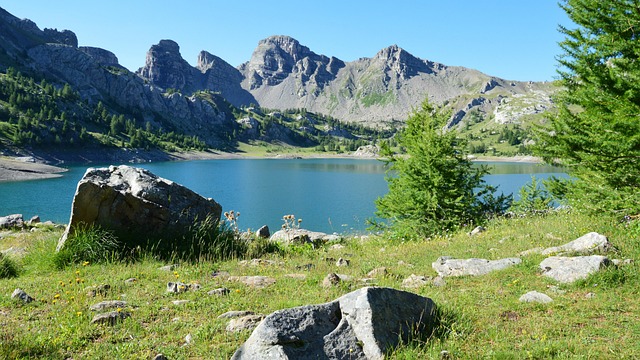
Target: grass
<point x="479" y="317"/>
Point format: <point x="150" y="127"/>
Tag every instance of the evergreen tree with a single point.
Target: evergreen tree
<point x="434" y="188"/>
<point x="596" y="131"/>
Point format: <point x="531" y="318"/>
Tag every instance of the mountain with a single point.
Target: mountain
<point x="283" y="74"/>
<point x="204" y="102"/>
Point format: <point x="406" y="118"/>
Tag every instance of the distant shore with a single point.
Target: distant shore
<point x="21" y="168"/>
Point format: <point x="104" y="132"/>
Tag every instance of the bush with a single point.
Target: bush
<point x="8" y="267"/>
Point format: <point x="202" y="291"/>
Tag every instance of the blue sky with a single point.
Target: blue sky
<point x="511" y="39"/>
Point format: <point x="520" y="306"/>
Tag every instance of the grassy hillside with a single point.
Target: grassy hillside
<point x="482" y="317"/>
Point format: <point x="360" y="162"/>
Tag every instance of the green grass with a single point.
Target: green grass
<point x="480" y="317"/>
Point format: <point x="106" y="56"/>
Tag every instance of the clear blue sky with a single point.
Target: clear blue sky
<point x="511" y="39"/>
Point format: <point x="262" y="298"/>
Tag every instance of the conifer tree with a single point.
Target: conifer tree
<point x="596" y="131"/>
<point x="434" y="188"/>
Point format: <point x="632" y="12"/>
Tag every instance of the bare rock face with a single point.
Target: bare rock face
<point x="166" y="68"/>
<point x="136" y="205"/>
<point x="101" y="56"/>
<point x="364" y="324"/>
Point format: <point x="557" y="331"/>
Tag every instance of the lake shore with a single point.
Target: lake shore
<point x="22" y="168"/>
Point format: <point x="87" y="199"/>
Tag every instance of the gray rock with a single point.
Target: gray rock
<point x="136" y="206"/>
<point x="254" y="281"/>
<point x="415" y="281"/>
<point x="477" y="230"/>
<point x="21" y="295"/>
<point x="589" y="295"/>
<point x="177" y="287"/>
<point x="160" y="357"/>
<point x="219" y="292"/>
<point x="590" y="243"/>
<point x="330" y="280"/>
<point x="110" y="318"/>
<point x="570" y="269"/>
<point x="14" y="221"/>
<point x="620" y="262"/>
<point x="446" y="266"/>
<point x="364" y="324"/>
<point x="93" y="291"/>
<point x="439" y="281"/>
<point x="296" y="276"/>
<point x="168" y="267"/>
<point x="235" y="314"/>
<point x="34" y="220"/>
<point x="180" y="302"/>
<point x="130" y="281"/>
<point x="537" y="250"/>
<point x="378" y="272"/>
<point x="248" y="322"/>
<point x="343" y="262"/>
<point x="301" y="236"/>
<point x="111" y="304"/>
<point x="263" y="232"/>
<point x="534" y="296"/>
<point x="259" y="262"/>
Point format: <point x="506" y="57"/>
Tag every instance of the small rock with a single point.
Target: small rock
<point x="556" y="289"/>
<point x="439" y="281"/>
<point x="195" y="287"/>
<point x="180" y="302"/>
<point x="188" y="339"/>
<point x="414" y="281"/>
<point x="168" y="267"/>
<point x="21" y="295"/>
<point x="537" y="250"/>
<point x="344" y="277"/>
<point x="220" y="274"/>
<point x="477" y="230"/>
<point x="306" y="267"/>
<point x="619" y="262"/>
<point x="34" y="220"/>
<point x="263" y="232"/>
<point x="343" y="262"/>
<point x="235" y="314"/>
<point x="534" y="296"/>
<point x="131" y="281"/>
<point x="102" y="290"/>
<point x="589" y="295"/>
<point x="368" y="281"/>
<point x="330" y="280"/>
<point x="110" y="318"/>
<point x="219" y="292"/>
<point x="445" y="355"/>
<point x="381" y="271"/>
<point x="248" y="322"/>
<point x="177" y="287"/>
<point x="259" y="262"/>
<point x="336" y="247"/>
<point x="160" y="357"/>
<point x="111" y="304"/>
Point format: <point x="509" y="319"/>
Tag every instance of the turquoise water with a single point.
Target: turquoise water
<point x="330" y="195"/>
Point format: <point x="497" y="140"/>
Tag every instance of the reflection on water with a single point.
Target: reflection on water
<point x="330" y="195"/>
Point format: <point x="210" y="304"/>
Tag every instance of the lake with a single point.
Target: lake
<point x="330" y="195"/>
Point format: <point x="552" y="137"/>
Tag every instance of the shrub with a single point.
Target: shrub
<point x="8" y="267"/>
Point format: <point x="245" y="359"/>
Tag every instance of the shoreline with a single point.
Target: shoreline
<point x="24" y="168"/>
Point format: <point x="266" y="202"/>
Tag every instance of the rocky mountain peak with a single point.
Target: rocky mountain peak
<point x="165" y="67"/>
<point x="206" y="61"/>
<point x="402" y="62"/>
<point x="286" y="44"/>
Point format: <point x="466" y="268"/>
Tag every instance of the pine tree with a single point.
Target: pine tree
<point x="435" y="187"/>
<point x="596" y="131"/>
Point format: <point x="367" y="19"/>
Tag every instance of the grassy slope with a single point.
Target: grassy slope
<point x="483" y="318"/>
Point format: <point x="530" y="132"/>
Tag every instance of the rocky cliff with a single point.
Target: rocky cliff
<point x="97" y="76"/>
<point x="283" y="74"/>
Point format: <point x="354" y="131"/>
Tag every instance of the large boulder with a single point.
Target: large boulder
<point x="364" y="324"/>
<point x="137" y="206"/>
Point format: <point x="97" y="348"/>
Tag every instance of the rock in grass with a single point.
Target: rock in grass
<point x="330" y="280"/>
<point x="219" y="292"/>
<point x="15" y="221"/>
<point x="415" y="281"/>
<point x="263" y="232"/>
<point x="446" y="266"/>
<point x="110" y="318"/>
<point x="570" y="269"/>
<point x="590" y="243"/>
<point x="137" y="207"/>
<point x="248" y="322"/>
<point x="534" y="296"/>
<point x="235" y="314"/>
<point x="111" y="304"/>
<point x="177" y="287"/>
<point x="364" y="324"/>
<point x="378" y="272"/>
<point x="21" y="295"/>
